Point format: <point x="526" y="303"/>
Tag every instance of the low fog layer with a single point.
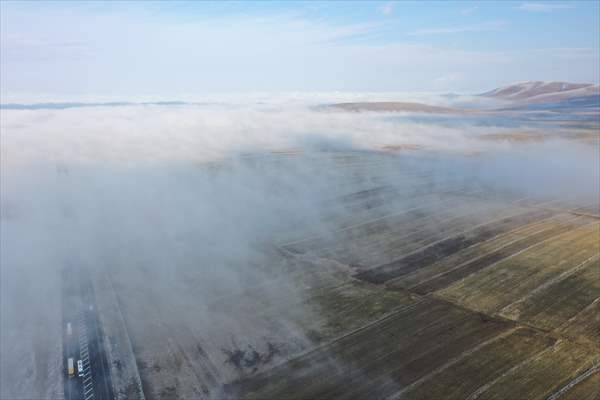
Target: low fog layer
<point x="152" y="134"/>
<point x="187" y="188"/>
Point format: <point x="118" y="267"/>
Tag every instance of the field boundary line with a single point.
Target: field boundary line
<point x="522" y="237"/>
<point x="574" y="382"/>
<point x="470" y="194"/>
<point x="395" y="239"/>
<point x="518" y="253"/>
<point x="451" y="235"/>
<point x="574" y="317"/>
<point x="137" y="377"/>
<point x="482" y="389"/>
<point x="451" y="362"/>
<point x="401" y="212"/>
<point x="552" y="281"/>
<point x="446" y="238"/>
<point x="333" y="341"/>
<point x="515" y="232"/>
<point x="561" y="210"/>
<point x="394" y="214"/>
<point x="575" y="212"/>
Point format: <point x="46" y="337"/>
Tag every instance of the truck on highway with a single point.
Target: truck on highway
<point x="80" y="368"/>
<point x="70" y="368"/>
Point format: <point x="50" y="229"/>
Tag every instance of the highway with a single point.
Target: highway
<point x="82" y="340"/>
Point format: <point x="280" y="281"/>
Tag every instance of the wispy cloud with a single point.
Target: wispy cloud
<point x="57" y="52"/>
<point x="469" y="10"/>
<point x="387" y="8"/>
<point x="23" y="48"/>
<point x="544" y="7"/>
<point x="483" y="27"/>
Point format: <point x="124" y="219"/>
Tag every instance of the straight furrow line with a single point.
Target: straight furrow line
<point x="522" y="251"/>
<point x="488" y="253"/>
<point x="574" y="382"/>
<point x="573" y="318"/>
<point x="334" y="341"/>
<point x="552" y="281"/>
<point x="432" y="245"/>
<point x="395" y="214"/>
<point x="475" y="395"/>
<point x="451" y="362"/>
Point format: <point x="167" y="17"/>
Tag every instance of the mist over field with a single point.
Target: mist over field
<point x="300" y="200"/>
<point x="184" y="190"/>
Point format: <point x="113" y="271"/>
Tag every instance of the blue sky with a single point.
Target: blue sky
<point x="170" y="48"/>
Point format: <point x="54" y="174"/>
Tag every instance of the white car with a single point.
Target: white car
<point x="80" y="368"/>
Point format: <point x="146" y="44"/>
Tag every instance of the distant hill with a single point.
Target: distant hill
<point x="543" y="92"/>
<point x="525" y="96"/>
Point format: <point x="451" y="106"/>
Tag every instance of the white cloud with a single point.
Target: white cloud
<point x="387" y="8"/>
<point x="120" y="56"/>
<point x="33" y="48"/>
<point x="544" y="7"/>
<point x="469" y="10"/>
<point x="483" y="27"/>
<point x="138" y="135"/>
<point x="448" y="79"/>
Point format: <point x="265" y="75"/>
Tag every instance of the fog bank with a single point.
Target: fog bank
<point x="183" y="192"/>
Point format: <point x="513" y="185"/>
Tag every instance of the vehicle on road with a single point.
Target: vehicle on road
<point x="69" y="329"/>
<point x="80" y="368"/>
<point x="70" y="368"/>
